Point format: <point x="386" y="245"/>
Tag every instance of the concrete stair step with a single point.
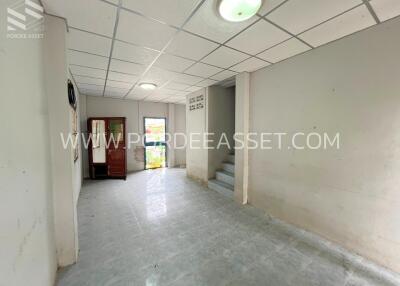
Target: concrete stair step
<point x="230" y="158"/>
<point x="221" y="187"/>
<point x="229" y="167"/>
<point x="226" y="177"/>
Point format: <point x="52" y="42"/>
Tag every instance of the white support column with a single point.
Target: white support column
<point x="65" y="216"/>
<point x="171" y="131"/>
<point x="242" y="113"/>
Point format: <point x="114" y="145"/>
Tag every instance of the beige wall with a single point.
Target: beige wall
<point x="27" y="244"/>
<point x="134" y="111"/>
<point x="350" y="196"/>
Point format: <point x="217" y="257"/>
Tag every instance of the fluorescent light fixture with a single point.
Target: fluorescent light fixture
<point x="238" y="10"/>
<point x="148" y="86"/>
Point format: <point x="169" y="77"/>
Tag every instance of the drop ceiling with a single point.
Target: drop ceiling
<point x="184" y="45"/>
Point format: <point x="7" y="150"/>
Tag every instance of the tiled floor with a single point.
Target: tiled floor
<point x="160" y="228"/>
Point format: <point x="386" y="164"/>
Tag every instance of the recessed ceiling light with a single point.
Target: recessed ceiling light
<point x="148" y="86"/>
<point x="239" y="10"/>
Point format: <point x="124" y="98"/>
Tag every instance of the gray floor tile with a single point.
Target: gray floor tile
<point x="160" y="228"/>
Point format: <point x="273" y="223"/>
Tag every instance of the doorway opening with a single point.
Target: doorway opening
<point x="155" y="153"/>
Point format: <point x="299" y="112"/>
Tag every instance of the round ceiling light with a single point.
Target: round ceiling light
<point x="239" y="10"/>
<point x="148" y="86"/>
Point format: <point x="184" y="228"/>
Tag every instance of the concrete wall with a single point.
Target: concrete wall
<point x="196" y="126"/>
<point x="27" y="243"/>
<point x="180" y="127"/>
<point x="221" y="120"/>
<point x="350" y="196"/>
<point x="134" y="111"/>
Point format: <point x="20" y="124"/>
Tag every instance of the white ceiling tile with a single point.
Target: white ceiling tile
<point x="139" y="93"/>
<point x="203" y="70"/>
<point x="348" y="23"/>
<point x="176" y="86"/>
<point x="386" y="9"/>
<point x="119" y="84"/>
<point x="87" y="42"/>
<point x="116" y="76"/>
<point x="190" y="46"/>
<point x="142" y="31"/>
<point x="250" y="65"/>
<point x="116" y="2"/>
<point x="156" y="97"/>
<point x="285" y="50"/>
<point x="84" y="59"/>
<point x="224" y="57"/>
<point x="136" y="97"/>
<point x="158" y="76"/>
<point x="131" y="53"/>
<point x="91" y="92"/>
<point x="84" y="71"/>
<point x="173" y="63"/>
<point x="208" y="23"/>
<point x="206" y="82"/>
<point x="165" y="91"/>
<point x="269" y="5"/>
<point x="224" y="75"/>
<point x="88" y="80"/>
<point x="298" y="15"/>
<point x="174" y="99"/>
<point x="90" y="86"/>
<point x="126" y="67"/>
<point x="258" y="37"/>
<point x="182" y="93"/>
<point x="194" y="88"/>
<point x="115" y="92"/>
<point x="187" y="79"/>
<point x="173" y="12"/>
<point x="91" y="15"/>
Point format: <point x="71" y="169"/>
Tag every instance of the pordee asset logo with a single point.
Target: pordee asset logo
<point x="25" y="20"/>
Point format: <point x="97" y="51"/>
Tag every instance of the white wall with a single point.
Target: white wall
<point x="27" y="244"/>
<point x="77" y="166"/>
<point x="196" y="155"/>
<point x="83" y="126"/>
<point x="242" y="116"/>
<point x="180" y="127"/>
<point x="134" y="111"/>
<point x="221" y="120"/>
<point x="66" y="174"/>
<point x="350" y="196"/>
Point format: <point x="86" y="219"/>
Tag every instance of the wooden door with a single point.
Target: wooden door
<point x="116" y="153"/>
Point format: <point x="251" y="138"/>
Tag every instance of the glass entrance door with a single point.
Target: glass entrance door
<point x="154" y="142"/>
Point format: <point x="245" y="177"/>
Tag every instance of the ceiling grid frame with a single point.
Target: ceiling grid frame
<point x="181" y="28"/>
<point x="112" y="44"/>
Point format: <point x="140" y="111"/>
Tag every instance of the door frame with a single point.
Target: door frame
<point x="148" y="144"/>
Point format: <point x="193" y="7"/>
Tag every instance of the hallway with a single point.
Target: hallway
<point x="161" y="228"/>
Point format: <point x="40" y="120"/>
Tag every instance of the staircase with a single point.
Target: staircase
<point x="225" y="178"/>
